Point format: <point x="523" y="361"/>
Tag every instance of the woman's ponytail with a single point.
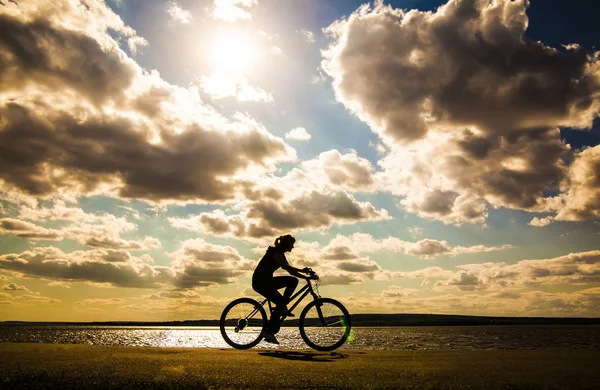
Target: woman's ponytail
<point x="282" y="239"/>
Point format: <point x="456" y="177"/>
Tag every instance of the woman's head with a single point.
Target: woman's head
<point x="285" y="242"/>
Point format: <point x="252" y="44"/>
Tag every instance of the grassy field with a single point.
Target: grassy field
<point x="82" y="366"/>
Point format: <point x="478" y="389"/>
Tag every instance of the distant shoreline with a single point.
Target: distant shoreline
<point x="364" y="320"/>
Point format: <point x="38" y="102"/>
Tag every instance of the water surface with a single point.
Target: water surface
<point x="372" y="338"/>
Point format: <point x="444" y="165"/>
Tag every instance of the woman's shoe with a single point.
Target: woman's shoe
<point x="270" y="338"/>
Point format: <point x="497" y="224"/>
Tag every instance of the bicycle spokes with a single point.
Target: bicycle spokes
<point x="325" y="324"/>
<point x="242" y="323"/>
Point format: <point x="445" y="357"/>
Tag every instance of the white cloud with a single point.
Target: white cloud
<point x="135" y="42"/>
<point x="348" y="172"/>
<point x="232" y="10"/>
<point x="309" y="36"/>
<point x="319" y="78"/>
<point x="299" y="134"/>
<point x="415" y="231"/>
<point x="220" y="86"/>
<point x="178" y="14"/>
<point x="541" y="222"/>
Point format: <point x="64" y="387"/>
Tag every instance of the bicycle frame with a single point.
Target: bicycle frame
<point x="302" y="293"/>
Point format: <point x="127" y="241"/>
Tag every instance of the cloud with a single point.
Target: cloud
<point x="178" y="14"/>
<point x="86" y="266"/>
<point x="415" y="231"/>
<point x="313" y="210"/>
<point x="348" y="172"/>
<point x="309" y="36"/>
<point x="581" y="197"/>
<point x="468" y="107"/>
<point x="200" y="264"/>
<point x="283" y="204"/>
<point x="101" y="301"/>
<point x="341" y="261"/>
<point x="118" y="243"/>
<point x="576" y="269"/>
<point x="318" y="78"/>
<point x="232" y="10"/>
<point x="59" y="285"/>
<point x="80" y="117"/>
<point x="396" y="292"/>
<point x="14" y="287"/>
<point x="135" y="42"/>
<point x="220" y="86"/>
<point x="196" y="264"/>
<point x="541" y="222"/>
<point x="28" y="230"/>
<point x="29" y="298"/>
<point x="582" y="303"/>
<point x="426" y="248"/>
<point x="93" y="230"/>
<point x="298" y="134"/>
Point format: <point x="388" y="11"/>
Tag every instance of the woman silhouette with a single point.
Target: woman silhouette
<point x="264" y="283"/>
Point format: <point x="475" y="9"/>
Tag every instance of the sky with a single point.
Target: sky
<point x="429" y="156"/>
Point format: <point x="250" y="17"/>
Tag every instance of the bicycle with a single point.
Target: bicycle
<point x="324" y="323"/>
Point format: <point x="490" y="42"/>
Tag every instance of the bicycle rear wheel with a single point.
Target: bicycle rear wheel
<point x="325" y="324"/>
<point x="243" y="323"/>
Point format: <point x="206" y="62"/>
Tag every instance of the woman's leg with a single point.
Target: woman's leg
<point x="289" y="282"/>
<point x="268" y="288"/>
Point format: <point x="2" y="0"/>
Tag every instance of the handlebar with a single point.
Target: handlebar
<point x="312" y="274"/>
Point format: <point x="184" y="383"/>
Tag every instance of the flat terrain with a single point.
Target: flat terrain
<point x="82" y="366"/>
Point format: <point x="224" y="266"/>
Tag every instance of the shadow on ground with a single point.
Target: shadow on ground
<point x="306" y="356"/>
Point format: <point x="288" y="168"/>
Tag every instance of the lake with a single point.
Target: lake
<point x="370" y="338"/>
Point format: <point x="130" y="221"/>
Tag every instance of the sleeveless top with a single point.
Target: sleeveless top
<point x="267" y="265"/>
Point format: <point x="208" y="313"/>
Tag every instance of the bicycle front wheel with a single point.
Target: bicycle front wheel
<point x="243" y="323"/>
<point x="325" y="324"/>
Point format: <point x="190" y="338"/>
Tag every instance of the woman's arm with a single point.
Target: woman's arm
<point x="282" y="262"/>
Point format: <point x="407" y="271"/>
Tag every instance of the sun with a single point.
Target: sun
<point x="232" y="52"/>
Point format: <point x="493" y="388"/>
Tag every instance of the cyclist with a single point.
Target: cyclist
<point x="264" y="283"/>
